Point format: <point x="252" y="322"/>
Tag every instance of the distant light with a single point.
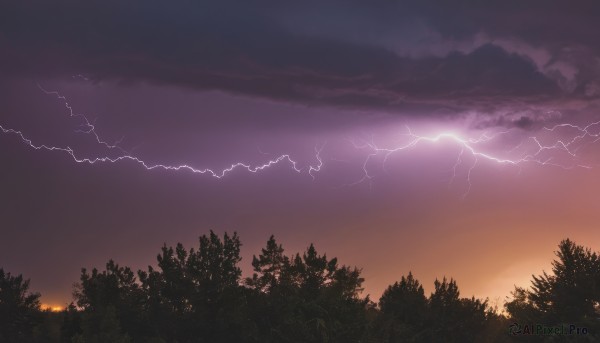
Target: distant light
<point x="51" y="308"/>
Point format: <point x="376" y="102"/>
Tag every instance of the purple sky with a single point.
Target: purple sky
<point x="435" y="132"/>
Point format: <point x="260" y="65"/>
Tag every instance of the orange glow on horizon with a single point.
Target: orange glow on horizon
<point x="51" y="308"/>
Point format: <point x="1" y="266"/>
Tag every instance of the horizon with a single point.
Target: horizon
<point x="525" y="273"/>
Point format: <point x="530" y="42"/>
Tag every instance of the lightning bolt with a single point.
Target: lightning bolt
<point x="470" y="146"/>
<point x="530" y="149"/>
<point x="88" y="127"/>
<point x="215" y="173"/>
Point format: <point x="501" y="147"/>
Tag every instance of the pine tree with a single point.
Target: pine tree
<point x="19" y="308"/>
<point x="403" y="308"/>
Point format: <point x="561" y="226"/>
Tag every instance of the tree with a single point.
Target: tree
<point x="455" y="319"/>
<point x="269" y="267"/>
<point x="111" y="303"/>
<point x="569" y="295"/>
<point x="407" y="316"/>
<point x="71" y="325"/>
<point x="197" y="293"/>
<point x="19" y="308"/>
<point x="572" y="293"/>
<point x="102" y="326"/>
<point x="307" y="298"/>
<point x="403" y="308"/>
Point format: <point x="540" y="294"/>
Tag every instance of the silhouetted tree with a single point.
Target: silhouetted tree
<point x="570" y="295"/>
<point x="404" y="309"/>
<point x="71" y="325"/>
<point x="407" y="316"/>
<point x="48" y="331"/>
<point x="454" y="319"/>
<point x="19" y="308"/>
<point x="306" y="298"/>
<point x="101" y="326"/>
<point x="269" y="268"/>
<point x="111" y="302"/>
<point x="197" y="294"/>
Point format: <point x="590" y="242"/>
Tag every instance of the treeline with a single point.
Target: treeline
<point x="199" y="295"/>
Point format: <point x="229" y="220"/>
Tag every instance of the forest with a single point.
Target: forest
<point x="199" y="295"/>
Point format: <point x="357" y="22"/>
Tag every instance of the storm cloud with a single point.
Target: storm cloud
<point x="394" y="56"/>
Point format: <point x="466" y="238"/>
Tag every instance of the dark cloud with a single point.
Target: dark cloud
<point x="259" y="49"/>
<point x="523" y="122"/>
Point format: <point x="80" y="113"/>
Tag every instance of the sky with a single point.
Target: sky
<point x="446" y="138"/>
